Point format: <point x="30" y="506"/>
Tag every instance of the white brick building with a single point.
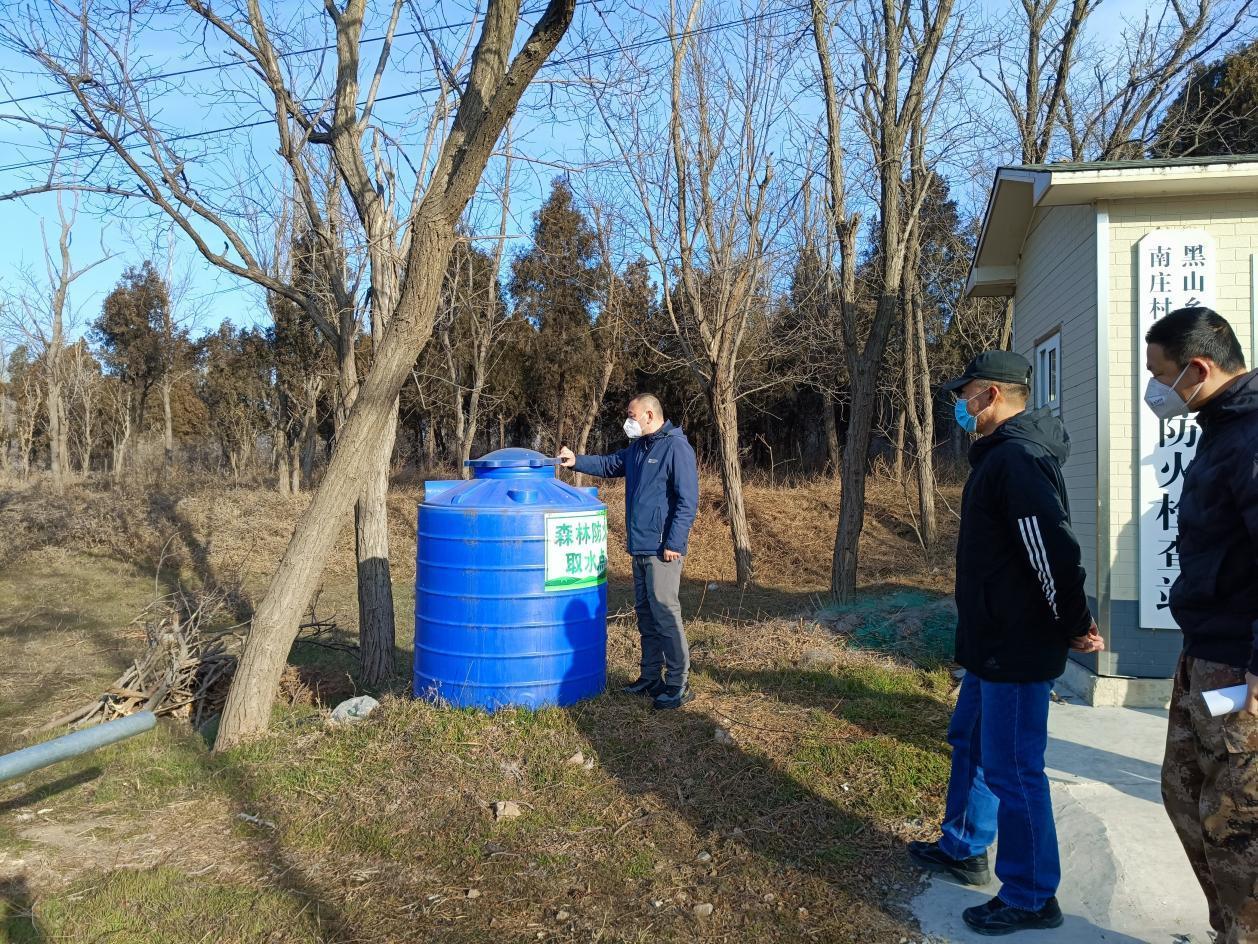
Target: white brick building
<point x="1091" y="254"/>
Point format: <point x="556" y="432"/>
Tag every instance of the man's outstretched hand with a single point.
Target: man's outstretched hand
<point x="566" y="458"/>
<point x="1090" y="641"/>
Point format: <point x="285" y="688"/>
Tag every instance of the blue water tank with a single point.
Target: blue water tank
<point x="510" y="587"/>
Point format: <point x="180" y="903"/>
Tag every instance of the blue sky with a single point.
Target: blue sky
<point x="202" y="102"/>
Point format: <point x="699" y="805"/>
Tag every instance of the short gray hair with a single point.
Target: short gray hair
<point x="649" y="401"/>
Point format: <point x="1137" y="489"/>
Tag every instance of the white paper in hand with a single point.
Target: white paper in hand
<point x="1226" y="701"/>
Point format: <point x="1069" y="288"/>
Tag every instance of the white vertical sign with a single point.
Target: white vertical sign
<point x="1175" y="269"/>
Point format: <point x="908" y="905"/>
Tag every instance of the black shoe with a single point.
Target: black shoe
<point x="971" y="871"/>
<point x="644" y="686"/>
<point x="672" y="696"/>
<point x="996" y="917"/>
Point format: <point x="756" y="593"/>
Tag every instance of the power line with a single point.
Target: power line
<point x="283" y="55"/>
<point x="553" y="64"/>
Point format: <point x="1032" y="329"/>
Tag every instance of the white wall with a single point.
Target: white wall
<point x="1233" y="223"/>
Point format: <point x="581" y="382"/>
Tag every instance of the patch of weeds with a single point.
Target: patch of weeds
<point x="163" y="906"/>
<point x="10" y="841"/>
<point x="879" y="776"/>
<point x="375" y="839"/>
<point x="640" y="865"/>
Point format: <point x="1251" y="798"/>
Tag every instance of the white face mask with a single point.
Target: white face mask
<point x="632" y="428"/>
<point x="1165" y="401"/>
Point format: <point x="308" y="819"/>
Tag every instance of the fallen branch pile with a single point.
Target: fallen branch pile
<point x="185" y="670"/>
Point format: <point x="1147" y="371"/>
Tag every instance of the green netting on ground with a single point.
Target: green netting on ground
<point x="912" y="624"/>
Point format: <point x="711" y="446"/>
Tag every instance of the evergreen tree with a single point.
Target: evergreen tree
<point x="555" y="284"/>
<point x="1216" y="113"/>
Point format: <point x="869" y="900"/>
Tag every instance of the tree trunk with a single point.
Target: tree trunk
<point x="430" y="443"/>
<point x="597" y="393"/>
<point x="283" y="456"/>
<point x="57" y="458"/>
<point x="168" y="428"/>
<point x="1006" y="326"/>
<point x="724" y="408"/>
<point x="4" y="426"/>
<point x="376" y="630"/>
<point x="462" y="447"/>
<point x="310" y="442"/>
<point x="852" y="506"/>
<point x="832" y="432"/>
<point x="366" y="440"/>
<point x="89" y="419"/>
<point x="502" y="431"/>
<point x="294" y="473"/>
<point x="897" y="470"/>
<point x="121" y="443"/>
<point x="364" y="448"/>
<point x="923" y="424"/>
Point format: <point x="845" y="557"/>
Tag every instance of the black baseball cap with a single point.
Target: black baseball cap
<point x="1000" y="366"/>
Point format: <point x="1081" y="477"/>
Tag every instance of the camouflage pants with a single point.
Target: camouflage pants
<point x="1210" y="788"/>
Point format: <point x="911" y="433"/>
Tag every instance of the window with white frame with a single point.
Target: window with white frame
<point x="1047" y="377"/>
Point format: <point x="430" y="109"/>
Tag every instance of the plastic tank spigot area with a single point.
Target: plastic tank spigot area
<point x="510" y="587"/>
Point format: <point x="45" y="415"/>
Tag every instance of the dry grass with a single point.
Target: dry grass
<point x="790" y="828"/>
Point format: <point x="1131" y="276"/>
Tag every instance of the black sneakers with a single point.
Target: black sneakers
<point x="672" y="696"/>
<point x="971" y="871"/>
<point x="995" y="917"/>
<point x="644" y="686"/>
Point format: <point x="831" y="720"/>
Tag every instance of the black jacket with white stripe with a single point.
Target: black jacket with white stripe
<point x="1019" y="588"/>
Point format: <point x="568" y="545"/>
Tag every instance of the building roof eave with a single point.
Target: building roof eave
<point x="1018" y="191"/>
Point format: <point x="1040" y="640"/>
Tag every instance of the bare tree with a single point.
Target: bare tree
<point x="6" y="405"/>
<point x="83" y="375"/>
<point x="1113" y="109"/>
<point x="173" y="346"/>
<point x="896" y="43"/>
<point x="495" y="83"/>
<point x="610" y="327"/>
<point x="1032" y="78"/>
<point x="1099" y="100"/>
<point x="710" y="211"/>
<point x="470" y="323"/>
<point x="1032" y="74"/>
<point x="42" y="314"/>
<point x="116" y="417"/>
<point x="29" y="389"/>
<point x="406" y="242"/>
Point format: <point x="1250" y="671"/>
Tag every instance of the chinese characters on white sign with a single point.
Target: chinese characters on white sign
<point x="1175" y="269"/>
<point x="576" y="550"/>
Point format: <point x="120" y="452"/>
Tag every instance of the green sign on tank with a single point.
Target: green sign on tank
<point x="576" y="549"/>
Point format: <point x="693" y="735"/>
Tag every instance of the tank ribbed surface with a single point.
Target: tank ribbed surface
<point x="510" y="587"/>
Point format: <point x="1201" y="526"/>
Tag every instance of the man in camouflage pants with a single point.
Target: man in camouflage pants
<point x="1210" y="773"/>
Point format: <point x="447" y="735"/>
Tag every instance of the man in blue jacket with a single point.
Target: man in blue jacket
<point x="661" y="498"/>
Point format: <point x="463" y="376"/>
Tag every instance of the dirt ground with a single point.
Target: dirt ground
<point x="781" y="797"/>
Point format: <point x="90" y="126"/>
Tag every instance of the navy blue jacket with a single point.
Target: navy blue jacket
<point x="661" y="489"/>
<point x="1215" y="598"/>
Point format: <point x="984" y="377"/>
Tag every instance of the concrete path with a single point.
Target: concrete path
<point x="1125" y="879"/>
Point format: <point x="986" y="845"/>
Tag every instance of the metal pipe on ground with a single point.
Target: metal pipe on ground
<point x="72" y="745"/>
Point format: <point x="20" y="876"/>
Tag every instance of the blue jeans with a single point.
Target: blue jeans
<point x="998" y="733"/>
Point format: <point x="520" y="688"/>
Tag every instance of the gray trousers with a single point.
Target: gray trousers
<point x="656" y="593"/>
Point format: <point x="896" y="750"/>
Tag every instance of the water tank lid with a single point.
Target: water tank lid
<point x="513" y="458"/>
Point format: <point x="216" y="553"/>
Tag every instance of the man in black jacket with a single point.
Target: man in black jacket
<point x="1020" y="607"/>
<point x="1210" y="772"/>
